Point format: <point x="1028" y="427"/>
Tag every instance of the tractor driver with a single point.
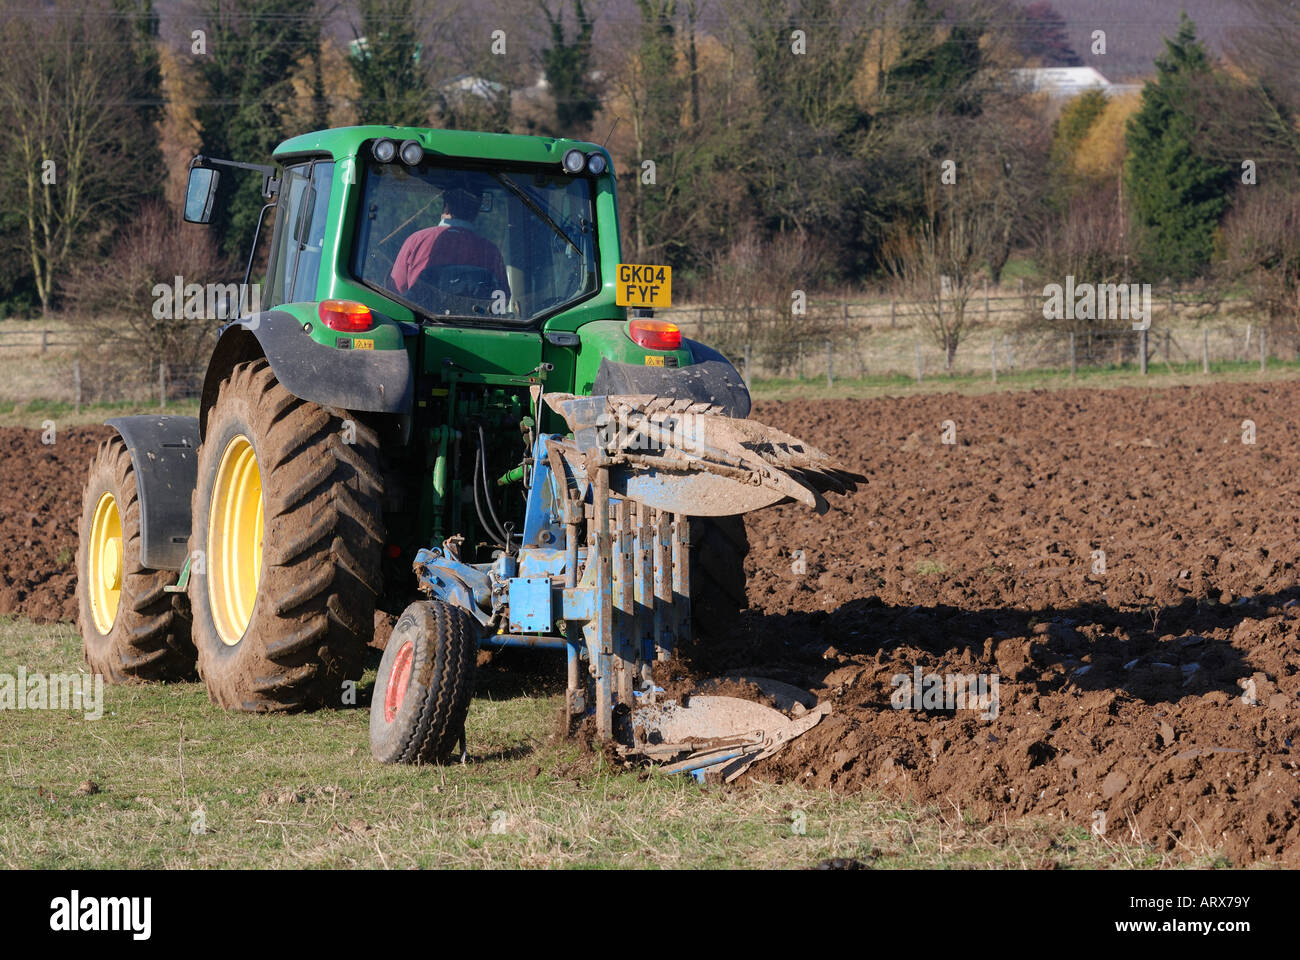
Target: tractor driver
<point x="452" y="242"/>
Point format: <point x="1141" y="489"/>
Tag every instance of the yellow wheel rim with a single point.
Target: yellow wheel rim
<point x="104" y="563"/>
<point x="235" y="540"/>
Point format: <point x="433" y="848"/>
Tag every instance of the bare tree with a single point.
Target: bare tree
<point x="936" y="260"/>
<point x="1087" y="240"/>
<point x="1254" y="116"/>
<point x="761" y="288"/>
<point x="50" y="105"/>
<point x="1261" y="239"/>
<point x="125" y="300"/>
<point x="64" y="96"/>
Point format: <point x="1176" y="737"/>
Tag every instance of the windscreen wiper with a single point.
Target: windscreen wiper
<point x="536" y="208"/>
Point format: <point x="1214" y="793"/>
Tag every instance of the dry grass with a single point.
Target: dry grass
<point x="899" y="385"/>
<point x="303" y="791"/>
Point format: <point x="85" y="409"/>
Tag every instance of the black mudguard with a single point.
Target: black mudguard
<point x="164" y="451"/>
<point x="710" y="379"/>
<point x="378" y="381"/>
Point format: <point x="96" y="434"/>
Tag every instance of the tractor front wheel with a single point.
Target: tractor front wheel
<point x="287" y="533"/>
<point x="425" y="682"/>
<point x="130" y="627"/>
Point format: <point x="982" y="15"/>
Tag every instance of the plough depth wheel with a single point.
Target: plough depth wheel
<point x="425" y="682"/>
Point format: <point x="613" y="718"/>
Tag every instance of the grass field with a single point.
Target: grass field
<point x="34" y="413"/>
<point x="1118" y="375"/>
<point x="166" y="780"/>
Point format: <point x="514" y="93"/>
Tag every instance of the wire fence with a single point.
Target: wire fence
<point x="983" y="302"/>
<point x="82" y="379"/>
<point x="992" y="353"/>
<point x="1003" y="333"/>
<point x="93" y="383"/>
<point x="831" y="341"/>
<point x="38" y="340"/>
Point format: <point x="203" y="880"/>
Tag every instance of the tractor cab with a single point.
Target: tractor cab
<point x="440" y="224"/>
<point x="485" y="254"/>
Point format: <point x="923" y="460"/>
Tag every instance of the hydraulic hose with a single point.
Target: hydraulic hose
<point x="487" y="492"/>
<point x="478" y="507"/>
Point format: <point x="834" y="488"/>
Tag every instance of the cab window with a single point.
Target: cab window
<point x="300" y="218"/>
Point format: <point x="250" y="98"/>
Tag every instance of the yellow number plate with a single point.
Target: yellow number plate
<point x="363" y="344"/>
<point x="644" y="285"/>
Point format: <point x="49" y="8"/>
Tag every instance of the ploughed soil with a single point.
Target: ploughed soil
<point x="1155" y="698"/>
<point x="1152" y="694"/>
<point x="39" y="511"/>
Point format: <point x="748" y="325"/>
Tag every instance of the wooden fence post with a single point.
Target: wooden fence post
<point x="830" y="371"/>
<point x="76" y="384"/>
<point x="1205" y="350"/>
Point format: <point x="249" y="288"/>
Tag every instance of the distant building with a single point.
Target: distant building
<point x="469" y="85"/>
<point x="1066" y="82"/>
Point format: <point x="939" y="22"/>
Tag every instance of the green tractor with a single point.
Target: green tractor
<point x="438" y="307"/>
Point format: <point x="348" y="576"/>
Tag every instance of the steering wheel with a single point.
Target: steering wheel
<point x="455" y="288"/>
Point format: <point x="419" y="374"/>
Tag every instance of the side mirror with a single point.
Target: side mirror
<point x="199" y="194"/>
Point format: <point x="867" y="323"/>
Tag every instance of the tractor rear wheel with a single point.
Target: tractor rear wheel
<point x="719" y="546"/>
<point x="130" y="627"/>
<point x="425" y="682"/>
<point x="286" y="516"/>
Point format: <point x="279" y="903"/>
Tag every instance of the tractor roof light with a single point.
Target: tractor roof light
<point x="346" y="316"/>
<point x="595" y="164"/>
<point x="574" y="162"/>
<point x="654" y="334"/>
<point x="384" y="150"/>
<point x="411" y="153"/>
